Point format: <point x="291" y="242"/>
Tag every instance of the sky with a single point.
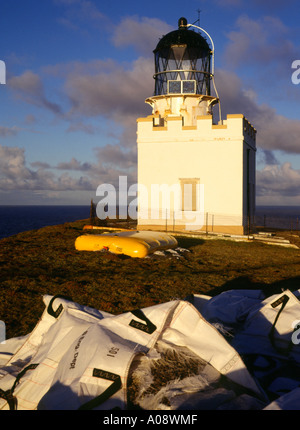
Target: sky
<point x="77" y="73"/>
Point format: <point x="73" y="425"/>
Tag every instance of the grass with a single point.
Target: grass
<point x="45" y="261"/>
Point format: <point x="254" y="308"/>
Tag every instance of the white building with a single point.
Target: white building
<point x="193" y="174"/>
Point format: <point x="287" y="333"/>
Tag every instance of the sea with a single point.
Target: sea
<point x="16" y="219"/>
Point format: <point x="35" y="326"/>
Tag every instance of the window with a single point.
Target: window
<point x="182" y="87"/>
<point x="174" y="87"/>
<point x="188" y="87"/>
<point x="189" y="194"/>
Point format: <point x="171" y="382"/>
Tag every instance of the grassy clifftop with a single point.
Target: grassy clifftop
<point x="45" y="261"/>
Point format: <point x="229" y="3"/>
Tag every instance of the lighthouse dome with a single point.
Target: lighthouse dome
<point x="182" y="62"/>
<point x="183" y="36"/>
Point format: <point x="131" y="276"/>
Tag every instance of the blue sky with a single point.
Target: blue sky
<point x="78" y="73"/>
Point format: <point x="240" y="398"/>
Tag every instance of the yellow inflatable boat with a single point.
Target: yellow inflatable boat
<point x="132" y="243"/>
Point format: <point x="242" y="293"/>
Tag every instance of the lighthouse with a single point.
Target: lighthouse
<point x="196" y="171"/>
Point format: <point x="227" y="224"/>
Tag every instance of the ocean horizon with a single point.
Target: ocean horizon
<point x="19" y="218"/>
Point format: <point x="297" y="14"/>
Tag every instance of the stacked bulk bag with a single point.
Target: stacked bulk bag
<point x="265" y="331"/>
<point x="80" y="358"/>
<point x="243" y="348"/>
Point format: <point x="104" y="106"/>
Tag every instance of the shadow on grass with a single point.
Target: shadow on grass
<point x="245" y="283"/>
<point x="189" y="242"/>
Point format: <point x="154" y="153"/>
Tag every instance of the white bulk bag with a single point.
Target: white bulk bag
<point x="34" y="358"/>
<point x="93" y="372"/>
<point x="266" y="342"/>
<point x="79" y="358"/>
<point x="33" y="368"/>
<point x="229" y="308"/>
<point x="269" y="327"/>
<point x="189" y="328"/>
<point x="289" y="401"/>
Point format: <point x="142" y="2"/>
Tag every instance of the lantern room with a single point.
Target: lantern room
<point x="183" y="75"/>
<point x="182" y="63"/>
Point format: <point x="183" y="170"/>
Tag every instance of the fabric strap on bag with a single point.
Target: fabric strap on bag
<point x="104" y="351"/>
<point x="110" y="391"/>
<point x="8" y="394"/>
<point x="149" y="327"/>
<point x="116" y="385"/>
<point x="57" y="312"/>
<point x="281" y="301"/>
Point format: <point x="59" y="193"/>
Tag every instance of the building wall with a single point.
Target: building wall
<point x="214" y="155"/>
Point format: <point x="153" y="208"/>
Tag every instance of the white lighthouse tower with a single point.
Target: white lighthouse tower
<point x="193" y="173"/>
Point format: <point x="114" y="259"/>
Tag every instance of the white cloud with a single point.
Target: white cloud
<point x="30" y="119"/>
<point x="8" y="131"/>
<point x="110" y="163"/>
<point x="77" y="13"/>
<point x="265" y="5"/>
<point x="12" y="163"/>
<point x="80" y="126"/>
<point x="117" y="93"/>
<point x="74" y="165"/>
<point x="271" y="5"/>
<point x="15" y="175"/>
<point x="116" y="156"/>
<point x="274" y="131"/>
<point x="263" y="43"/>
<point x="40" y="165"/>
<point x="279" y="180"/>
<point x="141" y="32"/>
<point x="30" y="88"/>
